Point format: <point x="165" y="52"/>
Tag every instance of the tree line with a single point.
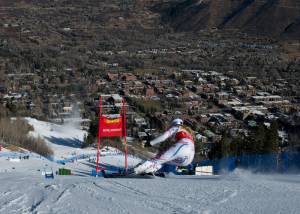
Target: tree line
<point x="15" y="133"/>
<point x="261" y="140"/>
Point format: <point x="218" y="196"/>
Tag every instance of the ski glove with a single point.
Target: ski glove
<point x="147" y="144"/>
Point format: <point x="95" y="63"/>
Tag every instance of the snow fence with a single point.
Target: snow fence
<point x="281" y="162"/>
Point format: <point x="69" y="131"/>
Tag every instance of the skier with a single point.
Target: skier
<point x="180" y="154"/>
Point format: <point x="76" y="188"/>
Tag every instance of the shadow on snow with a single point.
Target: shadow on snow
<point x="71" y="142"/>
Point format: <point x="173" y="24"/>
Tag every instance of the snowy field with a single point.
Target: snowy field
<point x="65" y="140"/>
<point x="23" y="188"/>
<point x="239" y="192"/>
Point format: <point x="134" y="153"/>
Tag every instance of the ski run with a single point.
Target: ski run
<point x="24" y="189"/>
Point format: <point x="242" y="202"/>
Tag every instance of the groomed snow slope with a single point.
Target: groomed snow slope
<point x="23" y="189"/>
<point x="237" y="193"/>
<point x="65" y="140"/>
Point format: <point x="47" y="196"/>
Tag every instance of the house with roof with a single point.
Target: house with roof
<point x="127" y="77"/>
<point x="112" y="76"/>
<point x="243" y="112"/>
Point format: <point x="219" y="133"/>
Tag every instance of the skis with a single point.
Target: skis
<point x="159" y="175"/>
<point x="127" y="175"/>
<point x="166" y="176"/>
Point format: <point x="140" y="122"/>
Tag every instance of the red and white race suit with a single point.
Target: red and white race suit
<point x="180" y="154"/>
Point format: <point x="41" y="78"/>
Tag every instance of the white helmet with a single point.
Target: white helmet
<point x="177" y="122"/>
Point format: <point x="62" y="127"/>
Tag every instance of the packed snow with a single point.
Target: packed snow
<point x="65" y="140"/>
<point x="238" y="193"/>
<point x="24" y="189"/>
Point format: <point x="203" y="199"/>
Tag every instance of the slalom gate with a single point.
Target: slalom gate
<point x="111" y="126"/>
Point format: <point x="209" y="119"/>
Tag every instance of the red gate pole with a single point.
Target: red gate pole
<point x="124" y="134"/>
<point x="99" y="136"/>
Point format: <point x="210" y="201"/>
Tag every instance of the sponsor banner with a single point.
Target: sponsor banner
<point x="111" y="127"/>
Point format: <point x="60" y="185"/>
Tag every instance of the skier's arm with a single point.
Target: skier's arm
<point x="164" y="136"/>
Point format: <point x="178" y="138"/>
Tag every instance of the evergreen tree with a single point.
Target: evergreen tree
<point x="92" y="133"/>
<point x="221" y="149"/>
<point x="236" y="146"/>
<point x="199" y="146"/>
<point x="215" y="152"/>
<point x="272" y="140"/>
<point x="259" y="138"/>
<point x="225" y="146"/>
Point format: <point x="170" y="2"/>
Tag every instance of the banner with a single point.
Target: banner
<point x="111" y="127"/>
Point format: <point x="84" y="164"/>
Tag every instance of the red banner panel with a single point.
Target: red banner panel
<point x="111" y="127"/>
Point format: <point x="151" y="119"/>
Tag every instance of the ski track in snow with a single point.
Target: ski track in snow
<point x="253" y="194"/>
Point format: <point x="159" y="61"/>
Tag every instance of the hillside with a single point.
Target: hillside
<point x="276" y="18"/>
<point x="58" y="19"/>
<point x="70" y="45"/>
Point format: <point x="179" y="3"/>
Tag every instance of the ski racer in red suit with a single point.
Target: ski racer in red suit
<point x="180" y="154"/>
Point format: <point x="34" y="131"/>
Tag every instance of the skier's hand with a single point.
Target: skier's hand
<point x="147" y="144"/>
